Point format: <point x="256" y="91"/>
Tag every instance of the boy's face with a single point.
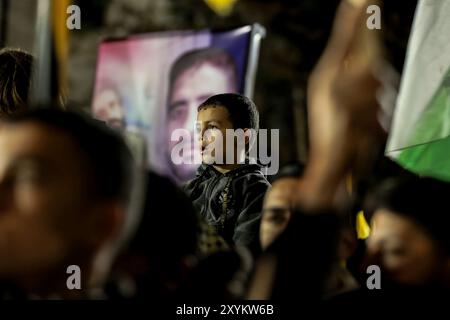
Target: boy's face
<point x="216" y="120"/>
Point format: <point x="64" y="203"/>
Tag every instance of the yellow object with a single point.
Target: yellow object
<point x="362" y="227"/>
<point x="61" y="38"/>
<point x="221" y="7"/>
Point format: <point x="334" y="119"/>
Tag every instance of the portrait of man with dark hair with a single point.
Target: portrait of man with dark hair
<point x="194" y="77"/>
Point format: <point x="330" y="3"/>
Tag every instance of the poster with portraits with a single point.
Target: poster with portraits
<point x="149" y="85"/>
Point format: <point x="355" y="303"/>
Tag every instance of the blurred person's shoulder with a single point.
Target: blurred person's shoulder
<point x="9" y="291"/>
<point x="404" y="299"/>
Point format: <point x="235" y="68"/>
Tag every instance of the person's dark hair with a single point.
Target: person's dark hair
<point x="166" y="234"/>
<point x="195" y="58"/>
<point x="242" y="110"/>
<point x="15" y="80"/>
<point x="169" y="222"/>
<point x="107" y="154"/>
<point x="303" y="257"/>
<point x="425" y="200"/>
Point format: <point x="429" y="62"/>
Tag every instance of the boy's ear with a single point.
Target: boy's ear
<point x="247" y="135"/>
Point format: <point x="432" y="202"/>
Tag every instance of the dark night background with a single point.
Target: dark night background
<point x="297" y="31"/>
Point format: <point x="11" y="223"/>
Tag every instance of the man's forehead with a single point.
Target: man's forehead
<point x="34" y="139"/>
<point x="202" y="69"/>
<point x="202" y="80"/>
<point x="281" y="191"/>
<point x="276" y="195"/>
<point x="387" y="222"/>
<point x="30" y="130"/>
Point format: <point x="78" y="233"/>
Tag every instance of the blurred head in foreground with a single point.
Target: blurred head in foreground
<point x="409" y="238"/>
<point x="65" y="182"/>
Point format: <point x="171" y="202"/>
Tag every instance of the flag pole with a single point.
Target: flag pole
<point x="41" y="94"/>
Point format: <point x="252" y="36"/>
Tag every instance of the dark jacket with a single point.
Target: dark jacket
<point x="230" y="202"/>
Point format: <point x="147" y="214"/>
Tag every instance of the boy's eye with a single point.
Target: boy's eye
<point x="211" y="126"/>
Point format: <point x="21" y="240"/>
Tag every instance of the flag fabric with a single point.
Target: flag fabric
<point x="419" y="139"/>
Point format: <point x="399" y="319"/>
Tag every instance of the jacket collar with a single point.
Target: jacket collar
<point x="210" y="171"/>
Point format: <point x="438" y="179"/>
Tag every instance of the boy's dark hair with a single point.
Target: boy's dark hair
<point x="422" y="199"/>
<point x="107" y="154"/>
<point x="165" y="235"/>
<point x="15" y="80"/>
<point x="242" y="110"/>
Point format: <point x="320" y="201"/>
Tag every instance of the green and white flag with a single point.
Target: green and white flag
<point x="419" y="139"/>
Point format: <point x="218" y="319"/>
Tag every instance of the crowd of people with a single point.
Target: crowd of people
<point x="72" y="195"/>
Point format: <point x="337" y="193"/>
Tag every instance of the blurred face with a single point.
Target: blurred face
<point x="277" y="210"/>
<point x="405" y="251"/>
<point x="190" y="90"/>
<point x="107" y="107"/>
<point x="43" y="198"/>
